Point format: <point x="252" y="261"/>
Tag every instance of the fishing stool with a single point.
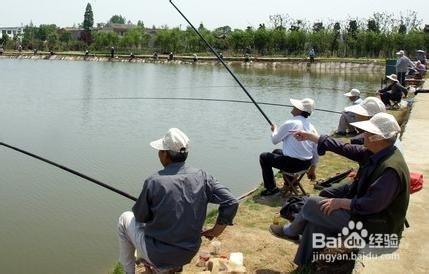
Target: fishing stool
<point x="292" y="180"/>
<point x="150" y="268"/>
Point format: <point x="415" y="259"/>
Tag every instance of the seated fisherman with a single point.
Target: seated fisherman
<point x="378" y="197"/>
<point x="348" y="117"/>
<point x="392" y="92"/>
<point x="295" y="156"/>
<point x="364" y="111"/>
<point x="166" y="222"/>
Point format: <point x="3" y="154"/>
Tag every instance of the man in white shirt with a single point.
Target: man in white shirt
<point x="348" y="117"/>
<point x="295" y="156"/>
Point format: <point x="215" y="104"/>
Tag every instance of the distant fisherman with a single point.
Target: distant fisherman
<point x="402" y="65"/>
<point x="166" y="222"/>
<point x="348" y="117"/>
<point x="112" y="52"/>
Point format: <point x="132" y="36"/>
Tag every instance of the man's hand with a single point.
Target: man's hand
<point x="301" y="135"/>
<point x="213" y="232"/>
<point x="327" y="206"/>
<point x="311" y="173"/>
<point x="273" y="127"/>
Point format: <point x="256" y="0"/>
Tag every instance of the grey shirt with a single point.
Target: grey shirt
<point x="403" y="63"/>
<point x="173" y="206"/>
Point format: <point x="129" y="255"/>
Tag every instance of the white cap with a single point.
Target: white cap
<point x="174" y="140"/>
<point x="305" y="104"/>
<point x="352" y="93"/>
<point x="381" y="124"/>
<point x="369" y="107"/>
<point x="401" y="52"/>
<point x="393" y="77"/>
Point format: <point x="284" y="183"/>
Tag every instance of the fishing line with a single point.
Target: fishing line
<point x="206" y="99"/>
<point x="71" y="171"/>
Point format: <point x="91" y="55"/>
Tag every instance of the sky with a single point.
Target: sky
<point x="235" y="13"/>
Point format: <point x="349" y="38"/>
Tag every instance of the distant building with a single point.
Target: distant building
<point x="119" y="29"/>
<point x="76" y="33"/>
<point x="12" y="32"/>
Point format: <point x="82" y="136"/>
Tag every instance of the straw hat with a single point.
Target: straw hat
<point x="369" y="107"/>
<point x="305" y="104"/>
<point x="392" y="77"/>
<point x="381" y="124"/>
<point x="353" y="93"/>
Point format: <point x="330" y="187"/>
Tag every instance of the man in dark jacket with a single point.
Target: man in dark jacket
<point x="166" y="222"/>
<point x="376" y="201"/>
<point x="393" y="91"/>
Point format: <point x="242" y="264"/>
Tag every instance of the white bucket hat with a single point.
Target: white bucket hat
<point x="174" y="140"/>
<point x="393" y="77"/>
<point x="401" y="52"/>
<point x="369" y="107"/>
<point x="305" y="104"/>
<point x="353" y="93"/>
<point x="381" y="124"/>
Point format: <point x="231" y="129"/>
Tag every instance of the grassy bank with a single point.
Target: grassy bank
<point x="263" y="252"/>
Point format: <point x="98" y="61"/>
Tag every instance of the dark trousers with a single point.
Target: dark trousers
<point x="341" y="190"/>
<point x="276" y="159"/>
<point x="387" y="97"/>
<point x="401" y="78"/>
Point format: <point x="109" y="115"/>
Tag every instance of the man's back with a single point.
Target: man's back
<point x="173" y="205"/>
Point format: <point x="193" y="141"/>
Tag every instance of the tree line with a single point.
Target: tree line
<point x="379" y="36"/>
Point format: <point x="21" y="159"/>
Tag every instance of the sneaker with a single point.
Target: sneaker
<point x="269" y="192"/>
<point x="277" y="230"/>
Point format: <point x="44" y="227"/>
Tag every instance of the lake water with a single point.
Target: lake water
<point x="55" y="222"/>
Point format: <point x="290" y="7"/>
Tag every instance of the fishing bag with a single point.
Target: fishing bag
<point x="292" y="207"/>
<point x="416" y="182"/>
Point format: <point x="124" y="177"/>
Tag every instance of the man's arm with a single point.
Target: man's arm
<point x="141" y="208"/>
<point x="378" y="197"/>
<point x="325" y="143"/>
<point x="387" y="88"/>
<point x="228" y="206"/>
<point x="278" y="134"/>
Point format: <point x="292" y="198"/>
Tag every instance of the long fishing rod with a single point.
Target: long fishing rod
<point x="223" y="63"/>
<point x="71" y="171"/>
<point x="206" y="99"/>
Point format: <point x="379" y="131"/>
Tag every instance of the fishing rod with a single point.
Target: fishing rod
<point x="207" y="99"/>
<point x="71" y="171"/>
<point x="223" y="63"/>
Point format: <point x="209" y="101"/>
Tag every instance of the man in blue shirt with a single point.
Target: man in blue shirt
<point x="166" y="222"/>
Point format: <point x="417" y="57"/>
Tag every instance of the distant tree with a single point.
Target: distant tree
<point x="222" y="31"/>
<point x="104" y="40"/>
<point x="318" y="27"/>
<point x="373" y="26"/>
<point x="117" y="19"/>
<point x="88" y="18"/>
<point x="201" y="27"/>
<point x="4" y="40"/>
<point x="44" y="31"/>
<point x="402" y="29"/>
<point x="140" y="24"/>
<point x="352" y="28"/>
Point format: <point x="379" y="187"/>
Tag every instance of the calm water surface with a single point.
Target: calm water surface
<point x="54" y="222"/>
